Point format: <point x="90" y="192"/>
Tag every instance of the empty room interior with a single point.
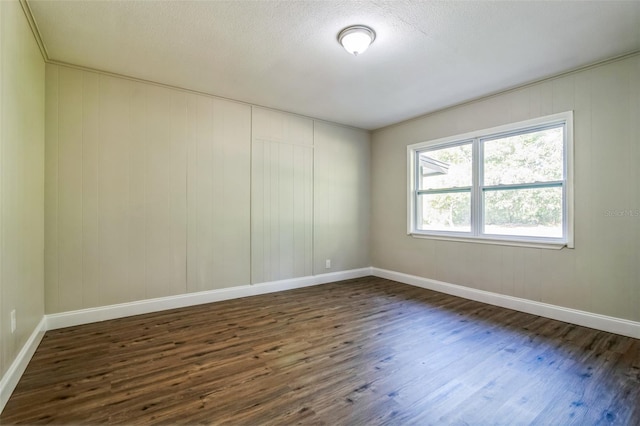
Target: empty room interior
<point x="320" y="212"/>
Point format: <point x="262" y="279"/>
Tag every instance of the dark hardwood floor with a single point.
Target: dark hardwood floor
<point x="364" y="351"/>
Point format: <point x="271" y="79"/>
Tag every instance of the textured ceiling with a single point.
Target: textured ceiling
<point x="284" y="54"/>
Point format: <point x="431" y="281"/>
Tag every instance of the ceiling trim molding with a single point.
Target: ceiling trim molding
<point x="194" y="92"/>
<point x="514" y="88"/>
<point x="370" y="131"/>
<point x="43" y="50"/>
<point x="34" y="29"/>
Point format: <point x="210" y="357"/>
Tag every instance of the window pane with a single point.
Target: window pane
<point x="535" y="212"/>
<point x="444" y="212"/>
<point x="445" y="168"/>
<point x="525" y="158"/>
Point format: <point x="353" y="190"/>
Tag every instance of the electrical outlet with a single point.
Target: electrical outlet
<point x="13" y="321"/>
<point x="327" y="264"/>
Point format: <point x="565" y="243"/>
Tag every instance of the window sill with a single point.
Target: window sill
<point x="494" y="241"/>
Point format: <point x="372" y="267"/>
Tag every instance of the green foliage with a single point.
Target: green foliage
<point x="452" y="210"/>
<point x="526" y="158"/>
<point x="530" y="207"/>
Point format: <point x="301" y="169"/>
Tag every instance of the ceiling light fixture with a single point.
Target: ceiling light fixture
<point x="356" y="38"/>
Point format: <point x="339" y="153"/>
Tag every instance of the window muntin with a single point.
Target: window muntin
<point x="507" y="184"/>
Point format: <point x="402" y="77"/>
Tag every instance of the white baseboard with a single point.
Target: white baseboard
<point x="85" y="316"/>
<point x="102" y="313"/>
<point x="11" y="378"/>
<point x="67" y="319"/>
<point x="574" y="316"/>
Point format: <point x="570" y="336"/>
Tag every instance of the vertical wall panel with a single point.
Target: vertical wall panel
<point x="22" y="102"/>
<point x="516" y="271"/>
<point x="341" y="198"/>
<point x="177" y="189"/>
<point x="634" y="155"/>
<point x="4" y="355"/>
<point x="192" y="193"/>
<point x="305" y="262"/>
<point x="273" y="203"/>
<point x="70" y="189"/>
<point x="157" y="234"/>
<point x="113" y="192"/>
<point x="134" y="213"/>
<point x="583" y="194"/>
<point x="51" y="190"/>
<point x="611" y="168"/>
<point x="281" y="196"/>
<point x="519" y="108"/>
<point x="557" y="280"/>
<point x="90" y="149"/>
<point x="563" y="94"/>
<point x="286" y="172"/>
<point x="259" y="189"/>
<point x="302" y="234"/>
<point x="221" y="224"/>
<point x="232" y="130"/>
<point x="204" y="254"/>
<point x="219" y="167"/>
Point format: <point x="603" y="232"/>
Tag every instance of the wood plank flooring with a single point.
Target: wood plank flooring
<point x="364" y="351"/>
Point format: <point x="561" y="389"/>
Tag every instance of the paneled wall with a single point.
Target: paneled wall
<point x="602" y="273"/>
<point x="341" y="198"/>
<point x="152" y="192"/>
<point x="218" y="241"/>
<point x="281" y="196"/>
<point x="147" y="191"/>
<point x="22" y="95"/>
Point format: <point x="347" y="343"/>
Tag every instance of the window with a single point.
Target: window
<point x="509" y="185"/>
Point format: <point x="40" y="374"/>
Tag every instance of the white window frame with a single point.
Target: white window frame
<point x="476" y="138"/>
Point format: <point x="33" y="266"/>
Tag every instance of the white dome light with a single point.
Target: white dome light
<point x="356" y="39"/>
